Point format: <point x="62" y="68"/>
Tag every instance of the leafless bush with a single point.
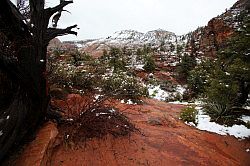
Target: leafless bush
<point x="91" y="117"/>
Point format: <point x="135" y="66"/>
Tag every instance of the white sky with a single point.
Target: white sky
<point x="101" y="18"/>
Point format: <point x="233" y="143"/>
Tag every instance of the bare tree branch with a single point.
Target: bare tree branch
<point x="58" y="8"/>
<point x="54" y="32"/>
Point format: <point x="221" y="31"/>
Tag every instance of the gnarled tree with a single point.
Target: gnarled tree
<point x="25" y="35"/>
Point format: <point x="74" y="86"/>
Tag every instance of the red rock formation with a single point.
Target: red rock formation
<point x="206" y="41"/>
<point x="38" y="152"/>
<point x="164" y="140"/>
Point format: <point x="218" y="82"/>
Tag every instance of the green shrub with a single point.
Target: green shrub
<point x="57" y="52"/>
<point x="198" y="77"/>
<point x="185" y="66"/>
<point x="220" y="98"/>
<point x="149" y="63"/>
<point x="188" y="114"/>
<point x="68" y="74"/>
<point x="122" y="86"/>
<point x="153" y="81"/>
<point x="116" y="59"/>
<point x="168" y="86"/>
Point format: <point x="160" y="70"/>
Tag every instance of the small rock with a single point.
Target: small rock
<point x="155" y="121"/>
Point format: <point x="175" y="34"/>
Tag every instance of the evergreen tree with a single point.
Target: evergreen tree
<point x="149" y="65"/>
<point x="139" y="51"/>
<point x="198" y="77"/>
<point x="116" y="59"/>
<point x="162" y="46"/>
<point x="172" y="47"/>
<point x="187" y="64"/>
<point x="179" y="51"/>
<point x="234" y="60"/>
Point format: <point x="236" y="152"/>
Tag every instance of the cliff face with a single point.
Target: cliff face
<point x="206" y="41"/>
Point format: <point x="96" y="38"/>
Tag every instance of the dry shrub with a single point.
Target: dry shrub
<point x="96" y="118"/>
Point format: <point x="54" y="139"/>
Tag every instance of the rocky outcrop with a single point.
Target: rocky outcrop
<point x="38" y="152"/>
<point x="163" y="140"/>
<point x="206" y="41"/>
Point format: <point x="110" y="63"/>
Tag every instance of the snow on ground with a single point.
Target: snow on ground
<point x="245" y="118"/>
<point x="239" y="131"/>
<point x="203" y="123"/>
<point x="179" y="102"/>
<point x="186" y="103"/>
<point x="129" y="101"/>
<point x="180" y="89"/>
<point x="140" y="67"/>
<point x="157" y="93"/>
<point x="203" y="120"/>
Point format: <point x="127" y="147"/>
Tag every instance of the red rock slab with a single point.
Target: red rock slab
<point x="37" y="152"/>
<point x="171" y="143"/>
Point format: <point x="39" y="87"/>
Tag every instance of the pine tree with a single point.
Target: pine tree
<point x="116" y="59"/>
<point x="185" y="66"/>
<point x="149" y="65"/>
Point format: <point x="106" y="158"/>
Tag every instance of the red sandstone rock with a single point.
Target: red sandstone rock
<point x="38" y="152"/>
<point x="172" y="143"/>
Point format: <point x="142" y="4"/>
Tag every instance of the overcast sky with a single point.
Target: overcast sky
<point x="101" y="18"/>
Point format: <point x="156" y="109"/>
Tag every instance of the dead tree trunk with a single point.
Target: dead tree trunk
<point x="23" y="62"/>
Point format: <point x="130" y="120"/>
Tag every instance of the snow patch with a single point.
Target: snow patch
<point x="180" y="89"/>
<point x="101" y="113"/>
<point x="180" y="102"/>
<point x="70" y="119"/>
<point x="245" y="118"/>
<point x="139" y="67"/>
<point x="190" y="124"/>
<point x="157" y="93"/>
<point x="97" y="97"/>
<point x="129" y="101"/>
<point x="203" y="123"/>
<point x="112" y="111"/>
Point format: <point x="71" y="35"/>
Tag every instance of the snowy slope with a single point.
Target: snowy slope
<point x="135" y="39"/>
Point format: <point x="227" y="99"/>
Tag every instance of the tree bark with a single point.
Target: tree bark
<point x="25" y="66"/>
